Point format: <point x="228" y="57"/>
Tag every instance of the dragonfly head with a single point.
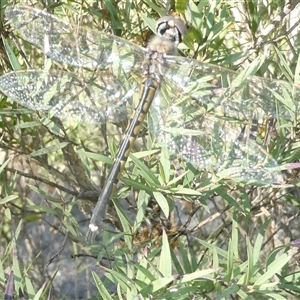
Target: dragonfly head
<point x="171" y="28"/>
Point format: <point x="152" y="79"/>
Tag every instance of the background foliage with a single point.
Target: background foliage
<point x="222" y="240"/>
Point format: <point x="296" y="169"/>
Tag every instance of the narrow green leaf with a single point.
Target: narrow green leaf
<point x="229" y="199"/>
<point x="233" y="289"/>
<point x="16" y="265"/>
<point x="11" y="56"/>
<point x="142" y="203"/>
<point x="52" y="126"/>
<point x="142" y="154"/>
<point x="126" y="223"/>
<point x="185" y="259"/>
<point x="146" y="172"/>
<point x="273" y="268"/>
<point x="158" y="284"/>
<point x="185" y="191"/>
<point x="50" y="149"/>
<point x="95" y="156"/>
<point x="284" y="65"/>
<point x="143" y="273"/>
<point x="162" y="202"/>
<point x="8" y="199"/>
<point x="176" y="179"/>
<point x="250" y="256"/>
<point x="180" y="5"/>
<point x="230" y="259"/>
<point x="2" y="166"/>
<point x="197" y="274"/>
<point x="240" y="81"/>
<point x="15" y="111"/>
<point x="268" y="294"/>
<point x="165" y="165"/>
<point x="137" y="185"/>
<point x="165" y="262"/>
<point x="27" y="125"/>
<point x="39" y="293"/>
<point x="297" y="73"/>
<point x="259" y="241"/>
<point x="162" y="12"/>
<point x="235" y="238"/>
<point x="101" y="287"/>
<point x="220" y="251"/>
<point x="7" y="213"/>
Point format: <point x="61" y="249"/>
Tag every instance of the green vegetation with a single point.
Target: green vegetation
<point x="221" y="240"/>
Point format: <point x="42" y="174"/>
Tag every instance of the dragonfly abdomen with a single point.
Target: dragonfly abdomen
<point x="147" y="93"/>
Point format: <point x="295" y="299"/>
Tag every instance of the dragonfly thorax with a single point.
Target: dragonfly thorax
<point x="152" y="65"/>
<point x="162" y="45"/>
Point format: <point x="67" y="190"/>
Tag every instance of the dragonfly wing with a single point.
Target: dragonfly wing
<point x="235" y="95"/>
<point x="75" y="45"/>
<point x="211" y="142"/>
<point x="93" y="99"/>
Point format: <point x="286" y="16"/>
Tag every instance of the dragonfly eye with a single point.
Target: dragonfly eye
<point x="171" y="28"/>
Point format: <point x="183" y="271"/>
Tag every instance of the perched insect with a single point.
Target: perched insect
<point x="201" y="112"/>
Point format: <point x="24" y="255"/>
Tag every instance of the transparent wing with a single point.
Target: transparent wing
<point x="94" y="98"/>
<point x="205" y="141"/>
<point x="205" y="115"/>
<point x="233" y="95"/>
<point x="75" y="45"/>
<point x="211" y="142"/>
<point x="187" y="87"/>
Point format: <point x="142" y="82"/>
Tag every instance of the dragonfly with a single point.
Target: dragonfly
<point x="199" y="111"/>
